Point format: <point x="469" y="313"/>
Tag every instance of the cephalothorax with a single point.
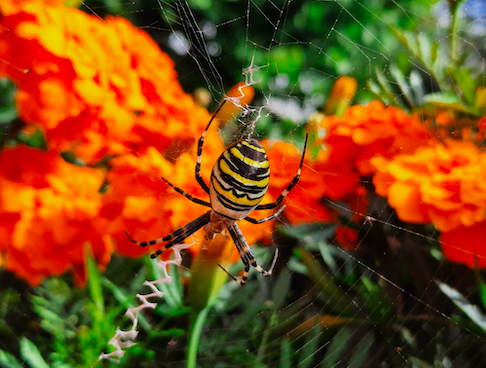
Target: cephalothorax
<point x="238" y="182"/>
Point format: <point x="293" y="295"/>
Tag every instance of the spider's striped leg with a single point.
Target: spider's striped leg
<point x="275" y="215"/>
<point x="294" y="181"/>
<point x="238" y="237"/>
<point x="187" y="195"/>
<point x="199" y="178"/>
<point x="177" y="236"/>
<point x="243" y="256"/>
<point x="246" y="263"/>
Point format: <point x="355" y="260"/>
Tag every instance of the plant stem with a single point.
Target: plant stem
<point x="195" y="336"/>
<point x="453" y="29"/>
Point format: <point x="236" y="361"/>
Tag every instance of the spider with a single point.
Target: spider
<point x="238" y="182"/>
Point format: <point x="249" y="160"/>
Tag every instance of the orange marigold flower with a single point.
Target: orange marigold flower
<point x="444" y="184"/>
<point x="364" y="132"/>
<point x="465" y="244"/>
<point x="95" y="87"/>
<point x="347" y="237"/>
<point x="49" y="210"/>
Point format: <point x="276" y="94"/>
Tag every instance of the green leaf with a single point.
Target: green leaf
<point x="285" y="353"/>
<point x="361" y="351"/>
<point x="417" y="84"/>
<point x="447" y="100"/>
<point x="30" y="353"/>
<point x="327" y="252"/>
<point x="402" y="84"/>
<point x="307" y="232"/>
<point x="95" y="289"/>
<point x="7" y="114"/>
<point x="8" y="360"/>
<point x="385" y="86"/>
<point x="332" y="294"/>
<point x="338" y="344"/>
<point x="482" y="292"/>
<point x="464" y="79"/>
<point x="470" y="310"/>
<point x="281" y="288"/>
<point x="310" y="347"/>
<point x="424" y="49"/>
<point x="375" y="300"/>
<point x="418" y="363"/>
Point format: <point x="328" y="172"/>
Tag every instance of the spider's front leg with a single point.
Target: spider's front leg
<point x="247" y="256"/>
<point x="177" y="236"/>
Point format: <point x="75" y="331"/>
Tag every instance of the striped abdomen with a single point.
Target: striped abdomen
<point x="239" y="179"/>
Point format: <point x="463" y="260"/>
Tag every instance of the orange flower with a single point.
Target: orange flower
<point x="347" y="237"/>
<point x="50" y="215"/>
<point x="95" y="87"/>
<point x="364" y="132"/>
<point x="466" y="245"/>
<point x="444" y="184"/>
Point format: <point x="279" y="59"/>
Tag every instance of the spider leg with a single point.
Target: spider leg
<point x="188" y="196"/>
<point x="275" y="215"/>
<point x="244" y="259"/>
<point x="177" y="236"/>
<point x="247" y="256"/>
<point x="243" y="278"/>
<point x="294" y="181"/>
<point x="199" y="178"/>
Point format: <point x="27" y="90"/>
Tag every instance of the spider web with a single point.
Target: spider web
<point x="267" y="29"/>
<point x="305" y="329"/>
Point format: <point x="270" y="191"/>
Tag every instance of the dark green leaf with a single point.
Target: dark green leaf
<point x="471" y="310"/>
<point x="482" y="292"/>
<point x="361" y="351"/>
<point x="281" y="288"/>
<point x="338" y="344"/>
<point x="309" y="349"/>
<point x="285" y="353"/>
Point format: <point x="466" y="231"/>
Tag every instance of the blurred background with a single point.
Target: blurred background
<point x="382" y="242"/>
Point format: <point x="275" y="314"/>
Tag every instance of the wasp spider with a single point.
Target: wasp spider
<point x="238" y="182"/>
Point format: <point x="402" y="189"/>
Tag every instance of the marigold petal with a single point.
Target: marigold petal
<point x="406" y="201"/>
<point x="466" y="245"/>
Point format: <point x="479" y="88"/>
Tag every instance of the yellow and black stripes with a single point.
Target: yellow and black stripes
<point x="240" y="178"/>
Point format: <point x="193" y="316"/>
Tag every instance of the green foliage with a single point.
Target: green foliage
<point x="432" y="77"/>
